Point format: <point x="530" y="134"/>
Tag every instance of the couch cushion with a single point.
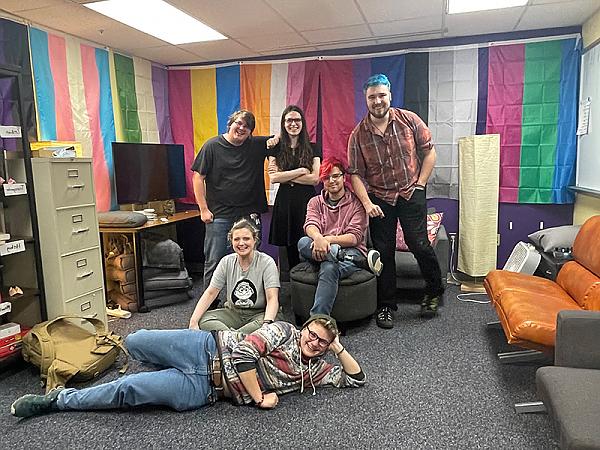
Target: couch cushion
<point x="581" y="284"/>
<point x="498" y="281"/>
<point x="586" y="249"/>
<point x="529" y="316"/>
<point x="572" y="398"/>
<point x="434" y="221"/>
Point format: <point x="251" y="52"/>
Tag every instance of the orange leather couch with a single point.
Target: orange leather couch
<point x="527" y="306"/>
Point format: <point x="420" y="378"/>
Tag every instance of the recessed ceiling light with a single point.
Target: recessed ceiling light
<point x="157" y="18"/>
<point x="463" y="6"/>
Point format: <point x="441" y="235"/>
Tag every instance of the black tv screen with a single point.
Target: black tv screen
<point x="148" y="172"/>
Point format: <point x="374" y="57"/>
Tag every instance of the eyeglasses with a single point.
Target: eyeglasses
<point x="293" y="120"/>
<point x="333" y="176"/>
<point x="241" y="124"/>
<point x="315" y="337"/>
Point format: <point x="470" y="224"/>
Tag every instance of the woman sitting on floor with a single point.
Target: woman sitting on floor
<point x="252" y="283"/>
<point x="202" y="367"/>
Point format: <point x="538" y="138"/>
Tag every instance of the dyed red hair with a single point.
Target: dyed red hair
<point x="327" y="166"/>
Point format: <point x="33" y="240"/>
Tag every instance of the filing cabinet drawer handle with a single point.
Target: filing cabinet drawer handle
<point x="81" y="230"/>
<point x="85" y="275"/>
<point x="76" y="186"/>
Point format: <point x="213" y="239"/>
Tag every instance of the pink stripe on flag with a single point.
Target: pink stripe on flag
<point x="504" y="112"/>
<point x="62" y="98"/>
<point x="295" y="84"/>
<point x="182" y="125"/>
<point x="310" y="94"/>
<point x="337" y="77"/>
<point x="91" y="84"/>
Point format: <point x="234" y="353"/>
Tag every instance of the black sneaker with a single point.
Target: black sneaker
<point x="384" y="318"/>
<point x="429" y="305"/>
<point x="33" y="405"/>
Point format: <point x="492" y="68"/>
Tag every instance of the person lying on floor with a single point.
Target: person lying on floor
<point x="252" y="282"/>
<point x="200" y="367"/>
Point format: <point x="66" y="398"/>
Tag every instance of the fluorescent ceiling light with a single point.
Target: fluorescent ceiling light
<point x="157" y="18"/>
<point x="463" y="6"/>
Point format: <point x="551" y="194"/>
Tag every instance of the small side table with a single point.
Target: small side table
<point x="549" y="265"/>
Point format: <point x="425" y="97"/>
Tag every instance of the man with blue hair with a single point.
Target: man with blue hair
<point x="390" y="158"/>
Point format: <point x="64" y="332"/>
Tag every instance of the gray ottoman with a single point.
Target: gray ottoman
<point x="356" y="298"/>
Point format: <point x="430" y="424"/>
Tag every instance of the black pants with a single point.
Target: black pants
<point x="413" y="219"/>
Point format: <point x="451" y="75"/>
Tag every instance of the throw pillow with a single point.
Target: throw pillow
<point x="556" y="237"/>
<point x="434" y="221"/>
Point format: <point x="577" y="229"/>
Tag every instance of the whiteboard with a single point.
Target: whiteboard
<point x="588" y="145"/>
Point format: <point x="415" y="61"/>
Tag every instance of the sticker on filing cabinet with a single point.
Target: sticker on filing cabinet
<point x="10" y="131"/>
<point x="14" y="189"/>
<point x="82" y="262"/>
<point x="85" y="306"/>
<point x="9" y="248"/>
<point x="77" y="218"/>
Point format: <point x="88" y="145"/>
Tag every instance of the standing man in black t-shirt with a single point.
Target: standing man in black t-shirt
<point x="229" y="184"/>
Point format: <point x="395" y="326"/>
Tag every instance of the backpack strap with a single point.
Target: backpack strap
<point x="59" y="373"/>
<point x="116" y="341"/>
<point x="46" y="349"/>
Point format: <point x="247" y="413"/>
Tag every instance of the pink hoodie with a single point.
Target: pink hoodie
<point x="347" y="217"/>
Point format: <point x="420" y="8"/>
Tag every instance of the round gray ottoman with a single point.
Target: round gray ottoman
<point x="356" y="298"/>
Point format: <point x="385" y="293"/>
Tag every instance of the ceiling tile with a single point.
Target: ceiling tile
<point x="552" y="15"/>
<point x="318" y="14"/>
<point x="407" y="27"/>
<point x="391" y="10"/>
<point x="483" y="22"/>
<point x="266" y="42"/>
<point x="219" y="50"/>
<point x="168" y="54"/>
<point x="331" y="35"/>
<point x="235" y="18"/>
<point x="23" y="5"/>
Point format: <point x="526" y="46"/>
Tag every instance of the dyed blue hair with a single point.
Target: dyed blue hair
<point x="377" y="80"/>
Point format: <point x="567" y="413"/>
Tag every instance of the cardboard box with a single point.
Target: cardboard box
<point x="8" y="329"/>
<point x="43" y="149"/>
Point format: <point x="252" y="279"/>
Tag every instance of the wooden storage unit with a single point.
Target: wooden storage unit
<point x="69" y="237"/>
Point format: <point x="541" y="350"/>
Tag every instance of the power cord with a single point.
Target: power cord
<point x="465" y="297"/>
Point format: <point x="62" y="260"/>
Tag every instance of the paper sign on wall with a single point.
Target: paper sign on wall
<point x="10" y="131"/>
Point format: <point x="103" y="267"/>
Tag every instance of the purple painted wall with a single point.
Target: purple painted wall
<point x="525" y="220"/>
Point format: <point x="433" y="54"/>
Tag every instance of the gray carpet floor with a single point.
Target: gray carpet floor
<point x="432" y="384"/>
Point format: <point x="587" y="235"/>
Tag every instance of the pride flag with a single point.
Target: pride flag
<point x="96" y="97"/>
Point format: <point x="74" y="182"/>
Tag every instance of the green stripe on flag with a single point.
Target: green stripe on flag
<point x="541" y="99"/>
<point x="125" y="76"/>
<point x="416" y="84"/>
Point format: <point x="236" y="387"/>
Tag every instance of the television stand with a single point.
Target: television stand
<point x="135" y="233"/>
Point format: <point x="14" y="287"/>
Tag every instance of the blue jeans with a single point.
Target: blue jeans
<point x="330" y="272"/>
<point x="184" y="382"/>
<point x="216" y="245"/>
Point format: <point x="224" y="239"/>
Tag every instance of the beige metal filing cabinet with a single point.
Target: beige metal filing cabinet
<point x="69" y="238"/>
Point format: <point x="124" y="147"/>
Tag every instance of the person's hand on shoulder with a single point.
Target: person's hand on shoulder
<point x="272" y="142"/>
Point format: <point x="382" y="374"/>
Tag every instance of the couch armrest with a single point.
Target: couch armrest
<point x="441" y="247"/>
<point x="577" y="339"/>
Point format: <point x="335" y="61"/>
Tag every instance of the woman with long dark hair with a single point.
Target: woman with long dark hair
<point x="296" y="168"/>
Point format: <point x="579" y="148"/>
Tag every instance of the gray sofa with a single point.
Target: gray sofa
<point x="570" y="390"/>
<point x="408" y="275"/>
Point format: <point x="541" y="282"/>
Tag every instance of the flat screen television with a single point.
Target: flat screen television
<point x="148" y="172"/>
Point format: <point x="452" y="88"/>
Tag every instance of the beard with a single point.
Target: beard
<point x="379" y="113"/>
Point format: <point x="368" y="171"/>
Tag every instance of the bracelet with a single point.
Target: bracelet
<point x="262" y="399"/>
<point x="337" y="355"/>
<point x="267" y="321"/>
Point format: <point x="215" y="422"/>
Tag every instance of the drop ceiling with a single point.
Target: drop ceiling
<point x="263" y="28"/>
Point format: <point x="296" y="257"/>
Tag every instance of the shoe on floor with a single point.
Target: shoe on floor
<point x="374" y="261"/>
<point x="34" y="405"/>
<point x="384" y="318"/>
<point x="429" y="305"/>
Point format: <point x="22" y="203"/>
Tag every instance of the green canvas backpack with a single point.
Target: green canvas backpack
<point x="66" y="351"/>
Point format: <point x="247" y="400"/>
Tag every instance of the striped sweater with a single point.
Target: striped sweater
<point x="275" y="352"/>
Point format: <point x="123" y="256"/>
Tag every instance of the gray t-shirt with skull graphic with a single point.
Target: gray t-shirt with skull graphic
<point x="246" y="289"/>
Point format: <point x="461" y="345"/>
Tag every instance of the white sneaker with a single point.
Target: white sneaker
<point x="374" y="261"/>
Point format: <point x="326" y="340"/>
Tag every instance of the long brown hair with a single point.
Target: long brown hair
<point x="285" y="157"/>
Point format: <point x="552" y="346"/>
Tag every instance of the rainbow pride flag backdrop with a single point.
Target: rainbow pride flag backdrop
<point x="526" y="92"/>
<point x="96" y="97"/>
